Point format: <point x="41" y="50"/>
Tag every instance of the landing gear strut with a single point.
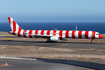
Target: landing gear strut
<point x="91" y="40"/>
<point x="48" y="40"/>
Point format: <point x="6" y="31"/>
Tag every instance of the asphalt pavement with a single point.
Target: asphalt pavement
<point x="37" y="65"/>
<point x="40" y="65"/>
<point x="65" y="44"/>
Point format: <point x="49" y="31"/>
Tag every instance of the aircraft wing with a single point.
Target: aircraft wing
<point x="44" y="36"/>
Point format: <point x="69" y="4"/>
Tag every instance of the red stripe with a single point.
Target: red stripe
<point x="36" y="32"/>
<point x="42" y="32"/>
<point x="67" y="34"/>
<point x="9" y="20"/>
<point x="60" y="34"/>
<point x="48" y="32"/>
<point x="30" y="32"/>
<point x="80" y="34"/>
<point x="19" y="33"/>
<point x="93" y="35"/>
<point x="20" y="29"/>
<point x="13" y="32"/>
<point x="86" y="34"/>
<point x="54" y="32"/>
<point x="14" y="25"/>
<point x="73" y="34"/>
<point x="24" y="33"/>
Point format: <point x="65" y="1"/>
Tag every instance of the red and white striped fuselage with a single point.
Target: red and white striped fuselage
<point x="61" y="33"/>
<point x="52" y="35"/>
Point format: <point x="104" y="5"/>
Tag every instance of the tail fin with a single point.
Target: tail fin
<point x="14" y="26"/>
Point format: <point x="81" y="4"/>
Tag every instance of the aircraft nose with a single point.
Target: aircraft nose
<point x="100" y="36"/>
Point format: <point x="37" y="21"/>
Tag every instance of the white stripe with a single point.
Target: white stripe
<point x="21" y="33"/>
<point x="27" y="35"/>
<point x="39" y="32"/>
<point x="33" y="32"/>
<point x="16" y="33"/>
<point x="96" y="36"/>
<point x="76" y="34"/>
<point x="63" y="34"/>
<point x="51" y="32"/>
<point x="90" y="35"/>
<point x="11" y="24"/>
<point x="17" y="27"/>
<point x="70" y="34"/>
<point x="57" y="33"/>
<point x="83" y="34"/>
<point x="45" y="32"/>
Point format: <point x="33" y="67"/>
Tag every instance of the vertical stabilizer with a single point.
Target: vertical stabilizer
<point x="14" y="26"/>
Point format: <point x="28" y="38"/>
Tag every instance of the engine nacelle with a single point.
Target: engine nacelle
<point x="54" y="38"/>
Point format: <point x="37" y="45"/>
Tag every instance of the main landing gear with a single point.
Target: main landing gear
<point x="91" y="41"/>
<point x="48" y="40"/>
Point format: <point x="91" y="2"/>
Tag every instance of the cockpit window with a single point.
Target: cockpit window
<point x="97" y="34"/>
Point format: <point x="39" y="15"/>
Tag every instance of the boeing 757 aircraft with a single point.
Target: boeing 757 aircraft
<point x="52" y="35"/>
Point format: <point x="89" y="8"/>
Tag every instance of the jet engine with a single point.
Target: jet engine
<point x="54" y="38"/>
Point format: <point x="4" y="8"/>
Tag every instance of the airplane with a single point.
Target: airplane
<point x="52" y="35"/>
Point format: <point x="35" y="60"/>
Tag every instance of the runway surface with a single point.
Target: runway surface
<point x="65" y="44"/>
<point x="37" y="65"/>
<point x="53" y="44"/>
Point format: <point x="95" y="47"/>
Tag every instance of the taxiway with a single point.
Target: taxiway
<point x="65" y="44"/>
